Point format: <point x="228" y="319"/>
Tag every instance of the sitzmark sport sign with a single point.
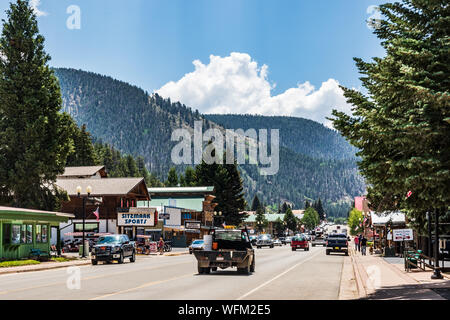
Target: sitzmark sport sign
<point x="141" y="217"/>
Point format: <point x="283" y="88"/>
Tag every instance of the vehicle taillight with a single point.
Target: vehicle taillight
<point x="346" y="243"/>
<point x="327" y="243"/>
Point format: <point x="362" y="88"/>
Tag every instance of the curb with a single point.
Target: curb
<point x="173" y="254"/>
<point x="50" y="267"/>
<point x="362" y="290"/>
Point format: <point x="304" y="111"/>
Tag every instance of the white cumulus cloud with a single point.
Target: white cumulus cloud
<point x="35" y="4"/>
<point x="236" y="84"/>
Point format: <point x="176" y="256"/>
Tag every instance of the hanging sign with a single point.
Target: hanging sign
<point x="139" y="217"/>
<point x="402" y="234"/>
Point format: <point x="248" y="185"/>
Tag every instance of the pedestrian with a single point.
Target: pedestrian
<point x="356" y="240"/>
<point x="363" y="245"/>
<point x="161" y="245"/>
<point x="359" y="242"/>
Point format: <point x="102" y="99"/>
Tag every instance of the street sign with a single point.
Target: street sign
<point x="163" y="216"/>
<point x="402" y="234"/>
<point x="192" y="224"/>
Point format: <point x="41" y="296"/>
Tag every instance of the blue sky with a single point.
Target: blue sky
<point x="149" y="43"/>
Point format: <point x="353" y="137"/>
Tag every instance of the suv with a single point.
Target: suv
<point x="318" y="241"/>
<point x="264" y="240"/>
<point x="337" y="242"/>
<point x="113" y="247"/>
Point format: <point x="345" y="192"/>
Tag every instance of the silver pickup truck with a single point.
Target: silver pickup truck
<point x="318" y="241"/>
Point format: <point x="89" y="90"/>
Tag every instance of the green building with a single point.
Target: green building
<point x="24" y="229"/>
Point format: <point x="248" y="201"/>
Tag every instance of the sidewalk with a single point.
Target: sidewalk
<point x="44" y="266"/>
<point x="383" y="278"/>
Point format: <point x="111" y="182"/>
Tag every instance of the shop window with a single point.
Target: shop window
<point x="29" y="233"/>
<point x="15" y="235"/>
<point x="6" y="233"/>
<point x="88" y="227"/>
<point x="23" y="234"/>
<point x="44" y="233"/>
<point x="38" y="233"/>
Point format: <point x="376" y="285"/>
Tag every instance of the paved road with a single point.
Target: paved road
<point x="281" y="274"/>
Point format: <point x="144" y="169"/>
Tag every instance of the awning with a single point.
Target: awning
<point x="382" y="219"/>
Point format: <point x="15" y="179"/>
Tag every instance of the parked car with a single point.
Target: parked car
<point x="264" y="240"/>
<point x="337" y="242"/>
<point x="299" y="242"/>
<point x="282" y="240"/>
<point x="113" y="247"/>
<point x="277" y="242"/>
<point x="253" y="240"/>
<point x="196" y="245"/>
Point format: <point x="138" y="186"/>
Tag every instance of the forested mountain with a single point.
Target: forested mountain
<point x="140" y="124"/>
<point x="302" y="136"/>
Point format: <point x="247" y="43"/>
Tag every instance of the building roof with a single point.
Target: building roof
<point x="105" y="187"/>
<point x="181" y="190"/>
<point x="82" y="171"/>
<point x="271" y="217"/>
<point x="396" y="217"/>
<point x="32" y="211"/>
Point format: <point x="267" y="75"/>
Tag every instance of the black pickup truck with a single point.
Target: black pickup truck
<point x="230" y="248"/>
<point x="337" y="242"/>
<point x="113" y="247"/>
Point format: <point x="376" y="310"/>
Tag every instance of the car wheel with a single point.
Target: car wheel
<point x="120" y="261"/>
<point x="190" y="251"/>
<point x="207" y="270"/>
<point x="271" y="246"/>
<point x="346" y="253"/>
<point x="214" y="269"/>
<point x="258" y="247"/>
<point x="200" y="270"/>
<point x="293" y="249"/>
<point x="313" y="245"/>
<point x="133" y="257"/>
<point x="94" y="262"/>
<point x="328" y="252"/>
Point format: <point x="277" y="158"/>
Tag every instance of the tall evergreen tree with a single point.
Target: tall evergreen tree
<point x="34" y="135"/>
<point x="320" y="210"/>
<point x="291" y="220"/>
<point x="172" y="179"/>
<point x="256" y="204"/>
<point x="260" y="219"/>
<point x="307" y="204"/>
<point x="189" y="177"/>
<point x="84" y="152"/>
<point x="402" y="125"/>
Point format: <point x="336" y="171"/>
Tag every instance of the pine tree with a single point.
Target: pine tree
<point x="307" y="204"/>
<point x="260" y="220"/>
<point x="402" y="125"/>
<point x="320" y="210"/>
<point x="189" y="177"/>
<point x="310" y="218"/>
<point x="172" y="179"/>
<point x="256" y="204"/>
<point x="34" y="135"/>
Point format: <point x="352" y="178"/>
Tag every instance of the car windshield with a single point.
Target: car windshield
<point x="264" y="237"/>
<point x="299" y="239"/>
<point x="197" y="242"/>
<point x="230" y="235"/>
<point x="108" y="239"/>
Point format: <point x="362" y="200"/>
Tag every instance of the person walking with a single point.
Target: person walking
<point x="359" y="242"/>
<point x="356" y="240"/>
<point x="363" y="245"/>
<point x="161" y="246"/>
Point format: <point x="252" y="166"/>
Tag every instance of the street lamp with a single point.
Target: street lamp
<point x="88" y="191"/>
<point x="217" y="214"/>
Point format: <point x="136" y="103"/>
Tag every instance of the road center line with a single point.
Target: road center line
<point x="145" y="285"/>
<point x="278" y="276"/>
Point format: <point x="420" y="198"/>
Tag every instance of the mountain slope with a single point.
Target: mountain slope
<point x="302" y="136"/>
<point x="137" y="123"/>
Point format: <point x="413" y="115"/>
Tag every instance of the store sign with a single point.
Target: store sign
<point x="163" y="216"/>
<point x="402" y="234"/>
<point x="192" y="224"/>
<point x="137" y="217"/>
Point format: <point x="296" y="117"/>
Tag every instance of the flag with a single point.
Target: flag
<point x="97" y="214"/>
<point x="408" y="194"/>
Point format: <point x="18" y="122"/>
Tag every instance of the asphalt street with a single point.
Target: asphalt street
<point x="281" y="274"/>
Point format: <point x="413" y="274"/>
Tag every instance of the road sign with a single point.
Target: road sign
<point x="163" y="216"/>
<point x="403" y="234"/>
<point x="192" y="224"/>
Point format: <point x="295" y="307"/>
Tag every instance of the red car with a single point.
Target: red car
<point x="300" y="243"/>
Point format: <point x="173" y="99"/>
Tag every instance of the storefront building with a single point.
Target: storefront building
<point x="23" y="229"/>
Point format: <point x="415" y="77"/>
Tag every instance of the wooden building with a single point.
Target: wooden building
<point x="109" y="195"/>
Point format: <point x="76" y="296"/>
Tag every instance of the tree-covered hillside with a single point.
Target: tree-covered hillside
<point x="302" y="136"/>
<point x="140" y="124"/>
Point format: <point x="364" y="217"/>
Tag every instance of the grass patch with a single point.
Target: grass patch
<point x="62" y="259"/>
<point x="17" y="263"/>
